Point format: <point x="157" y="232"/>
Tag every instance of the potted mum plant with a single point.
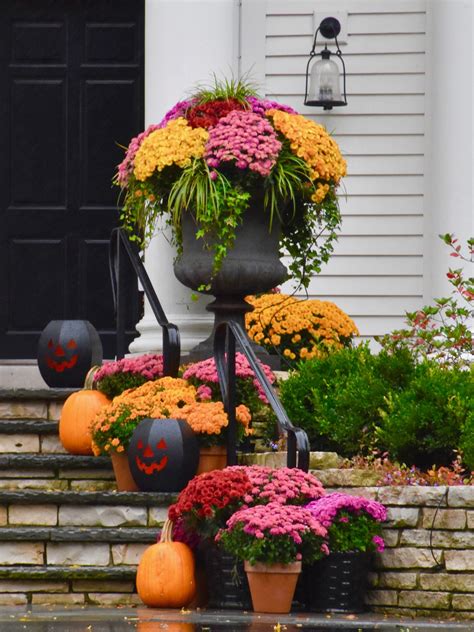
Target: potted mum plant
<point x="298" y="330"/>
<point x="239" y="180"/>
<point x="113" y="378"/>
<point x="272" y="540"/>
<point x="209" y="500"/>
<point x="337" y="582"/>
<point x="164" y="398"/>
<point x="249" y="392"/>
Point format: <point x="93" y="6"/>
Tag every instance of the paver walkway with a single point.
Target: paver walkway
<point x="92" y="619"/>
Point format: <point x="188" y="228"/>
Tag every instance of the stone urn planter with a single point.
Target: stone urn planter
<point x="252" y="266"/>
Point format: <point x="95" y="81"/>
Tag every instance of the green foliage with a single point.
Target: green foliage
<point x="353" y="532"/>
<point x="424" y="422"/>
<point x="442" y="331"/>
<point x="338" y="399"/>
<point x="113" y="385"/>
<point x="309" y="236"/>
<point x="467" y="442"/>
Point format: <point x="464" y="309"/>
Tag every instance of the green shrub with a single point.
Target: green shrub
<point x="467" y="441"/>
<point x="338" y="399"/>
<point x="423" y="423"/>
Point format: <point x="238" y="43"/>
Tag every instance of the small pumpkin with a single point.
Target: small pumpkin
<point x="76" y="416"/>
<point x="165" y="574"/>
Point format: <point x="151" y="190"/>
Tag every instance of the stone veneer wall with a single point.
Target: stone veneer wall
<point x="427" y="567"/>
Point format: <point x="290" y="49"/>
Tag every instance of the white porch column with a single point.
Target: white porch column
<point x="186" y="41"/>
<point x="450" y="110"/>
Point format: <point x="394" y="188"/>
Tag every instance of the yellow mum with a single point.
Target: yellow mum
<point x="298" y="329"/>
<point x="175" y="144"/>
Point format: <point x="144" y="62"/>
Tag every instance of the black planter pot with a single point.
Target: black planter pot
<point x="251" y="267"/>
<point x="227" y="583"/>
<point x="337" y="583"/>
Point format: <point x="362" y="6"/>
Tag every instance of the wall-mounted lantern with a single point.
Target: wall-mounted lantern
<point x="324" y="78"/>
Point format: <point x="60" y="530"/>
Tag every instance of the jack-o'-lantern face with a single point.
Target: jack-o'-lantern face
<point x="148" y="453"/>
<point x="61" y="357"/>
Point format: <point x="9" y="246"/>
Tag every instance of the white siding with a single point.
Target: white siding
<point x="376" y="272"/>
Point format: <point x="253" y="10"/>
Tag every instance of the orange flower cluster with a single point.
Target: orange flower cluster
<point x="314" y="145"/>
<point x="168" y="397"/>
<point x="298" y="329"/>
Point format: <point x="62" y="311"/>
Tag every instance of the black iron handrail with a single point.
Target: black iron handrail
<point x="119" y="245"/>
<point x="226" y="335"/>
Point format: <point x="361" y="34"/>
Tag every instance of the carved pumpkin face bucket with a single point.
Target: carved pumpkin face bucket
<point x="67" y="349"/>
<point x="60" y="357"/>
<point x="163" y="455"/>
<point x="155" y="465"/>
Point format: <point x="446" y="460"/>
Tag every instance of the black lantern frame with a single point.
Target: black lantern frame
<point x="329" y="28"/>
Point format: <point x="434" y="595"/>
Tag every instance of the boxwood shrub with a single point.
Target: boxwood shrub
<point x="338" y="399"/>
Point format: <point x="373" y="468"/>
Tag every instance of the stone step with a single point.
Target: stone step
<point x="29" y="436"/>
<point x="50" y="471"/>
<point x="68" y="584"/>
<point x="21" y="403"/>
<point x="66" y="547"/>
<point x="78" y="534"/>
<point x="134" y="499"/>
<point x="67" y="572"/>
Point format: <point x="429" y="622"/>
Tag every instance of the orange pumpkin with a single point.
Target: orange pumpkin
<point x="76" y="416"/>
<point x="165" y="575"/>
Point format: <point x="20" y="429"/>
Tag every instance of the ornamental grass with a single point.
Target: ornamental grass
<point x="296" y="329"/>
<point x="165" y="398"/>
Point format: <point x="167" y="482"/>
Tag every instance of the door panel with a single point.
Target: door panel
<point x="71" y="77"/>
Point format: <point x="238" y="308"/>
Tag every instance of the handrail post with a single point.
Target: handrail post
<point x="230" y="403"/>
<point x="120" y="248"/>
<point x="120" y="300"/>
<point x="297" y="439"/>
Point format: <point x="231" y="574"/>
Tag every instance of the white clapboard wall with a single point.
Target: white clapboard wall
<point x="376" y="272"/>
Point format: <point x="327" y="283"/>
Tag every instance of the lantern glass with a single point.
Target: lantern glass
<point x="325" y="83"/>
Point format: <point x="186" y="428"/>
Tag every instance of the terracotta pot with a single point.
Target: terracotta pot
<point x="123" y="476"/>
<point x="272" y="586"/>
<point x="212" y="458"/>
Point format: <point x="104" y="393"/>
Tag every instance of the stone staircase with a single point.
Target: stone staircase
<point x="66" y="535"/>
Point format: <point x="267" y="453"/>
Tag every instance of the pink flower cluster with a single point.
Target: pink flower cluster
<point x="260" y="106"/>
<point x="149" y="366"/>
<point x="326" y="509"/>
<point x="206" y="371"/>
<point x="243" y="138"/>
<point x="126" y="167"/>
<point x="282" y="485"/>
<point x="176" y="111"/>
<point x="276" y="520"/>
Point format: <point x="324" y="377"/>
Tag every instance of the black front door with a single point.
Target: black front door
<point x="71" y="91"/>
